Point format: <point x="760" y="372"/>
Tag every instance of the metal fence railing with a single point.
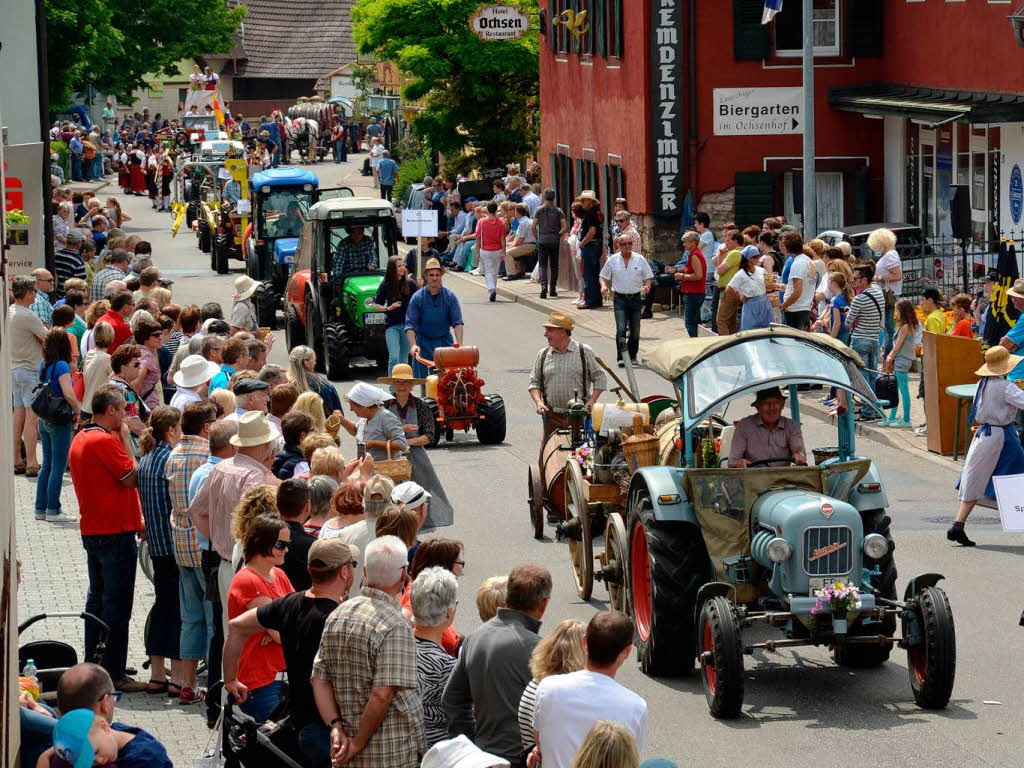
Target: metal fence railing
<point x="941" y="263"/>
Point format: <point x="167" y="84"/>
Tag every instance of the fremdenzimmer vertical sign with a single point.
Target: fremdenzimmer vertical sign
<point x="667" y="107"/>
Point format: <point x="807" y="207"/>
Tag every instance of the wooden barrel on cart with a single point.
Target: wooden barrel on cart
<point x="553" y="458"/>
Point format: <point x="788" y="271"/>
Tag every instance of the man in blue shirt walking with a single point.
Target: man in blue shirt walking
<point x="387" y="170"/>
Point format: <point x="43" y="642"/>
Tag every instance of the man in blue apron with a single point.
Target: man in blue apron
<point x="434" y="312"/>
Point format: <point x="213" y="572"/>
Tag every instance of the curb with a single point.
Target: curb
<point x="888" y="438"/>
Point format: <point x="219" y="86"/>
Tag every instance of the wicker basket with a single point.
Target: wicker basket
<point x="399" y="470"/>
<point x="640" y="449"/>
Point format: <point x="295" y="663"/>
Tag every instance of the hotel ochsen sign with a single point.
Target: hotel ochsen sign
<point x="667" y="138"/>
<point x="499" y="22"/>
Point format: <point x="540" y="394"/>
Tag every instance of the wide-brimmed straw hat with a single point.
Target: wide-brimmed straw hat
<point x="245" y="287"/>
<point x="400" y="373"/>
<point x="194" y="370"/>
<point x="588" y="194"/>
<point x="1017" y="289"/>
<point x="432" y="263"/>
<point x="998" y="362"/>
<point x="254" y="428"/>
<point x="559" y="320"/>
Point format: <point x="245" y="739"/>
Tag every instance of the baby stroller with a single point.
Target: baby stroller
<point x="54" y="657"/>
<point x="246" y="744"/>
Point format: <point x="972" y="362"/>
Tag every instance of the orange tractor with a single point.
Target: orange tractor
<point x="456" y="397"/>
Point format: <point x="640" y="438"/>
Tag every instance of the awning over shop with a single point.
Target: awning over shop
<point x="930" y="105"/>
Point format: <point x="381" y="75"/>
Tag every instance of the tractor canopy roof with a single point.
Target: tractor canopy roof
<point x="284" y="177"/>
<point x="710" y="371"/>
<point x="352" y="208"/>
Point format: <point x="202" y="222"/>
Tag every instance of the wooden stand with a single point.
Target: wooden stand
<point x="948" y="360"/>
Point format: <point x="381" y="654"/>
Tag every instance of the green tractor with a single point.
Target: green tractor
<point x="339" y="264"/>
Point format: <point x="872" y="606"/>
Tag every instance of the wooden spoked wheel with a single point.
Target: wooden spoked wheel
<point x="613" y="574"/>
<point x="535" y="490"/>
<point x="576" y="529"/>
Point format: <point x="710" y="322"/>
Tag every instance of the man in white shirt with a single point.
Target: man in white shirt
<point x="376" y="153"/>
<point x="521" y="243"/>
<point x="628" y="276"/>
<point x="567" y="706"/>
<point x="192" y="380"/>
<point x="799" y="295"/>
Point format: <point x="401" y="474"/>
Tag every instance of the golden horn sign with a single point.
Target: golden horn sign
<point x="576" y="23"/>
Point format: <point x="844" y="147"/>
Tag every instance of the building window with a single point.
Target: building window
<point x="614" y="184"/>
<point x="561" y="166"/>
<point x="613" y="28"/>
<point x="826" y="21"/>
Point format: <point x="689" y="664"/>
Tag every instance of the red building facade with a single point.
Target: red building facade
<point x="682" y="106"/>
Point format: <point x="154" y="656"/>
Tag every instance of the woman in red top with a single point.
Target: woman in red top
<point x="691" y="274"/>
<point x="259" y="582"/>
<point x="490" y="239"/>
<point x="446" y="553"/>
<point x="961" y="304"/>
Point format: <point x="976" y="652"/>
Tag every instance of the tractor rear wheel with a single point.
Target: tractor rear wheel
<point x="315" y="336"/>
<point x="205" y="244"/>
<point x="668" y="564"/>
<point x="294" y="333"/>
<point x="220" y="250"/>
<point x="435" y="412"/>
<point x="721" y="658"/>
<point x="932" y="663"/>
<point x="862" y="655"/>
<point x="491" y="426"/>
<point x="336" y="346"/>
<point x="267" y="301"/>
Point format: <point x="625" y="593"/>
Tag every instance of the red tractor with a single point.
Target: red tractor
<point x="455" y="395"/>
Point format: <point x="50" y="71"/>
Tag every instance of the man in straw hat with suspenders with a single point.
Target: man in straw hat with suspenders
<point x="563" y="370"/>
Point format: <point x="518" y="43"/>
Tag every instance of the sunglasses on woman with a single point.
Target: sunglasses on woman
<point x="281" y="546"/>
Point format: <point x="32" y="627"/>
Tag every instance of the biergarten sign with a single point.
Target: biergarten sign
<point x="667" y="141"/>
<point x="499" y="22"/>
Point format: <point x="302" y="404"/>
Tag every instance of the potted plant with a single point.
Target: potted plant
<point x="16" y="223"/>
<point x="838" y="599"/>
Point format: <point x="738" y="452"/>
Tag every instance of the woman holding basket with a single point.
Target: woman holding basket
<point x="375" y="426"/>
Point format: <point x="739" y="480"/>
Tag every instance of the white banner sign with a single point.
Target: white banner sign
<point x="419" y="223"/>
<point x="1010" y="497"/>
<point x="23" y="189"/>
<point x="499" y="22"/>
<point x="758" y="111"/>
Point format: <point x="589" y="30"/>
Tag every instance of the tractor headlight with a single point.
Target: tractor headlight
<point x="875" y="546"/>
<point x="778" y="550"/>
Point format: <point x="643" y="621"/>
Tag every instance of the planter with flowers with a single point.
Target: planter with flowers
<point x="16" y="222"/>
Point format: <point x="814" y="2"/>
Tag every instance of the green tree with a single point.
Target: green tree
<point x="113" y="43"/>
<point x="480" y="96"/>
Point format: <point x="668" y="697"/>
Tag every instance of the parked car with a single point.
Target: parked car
<point x="922" y="266"/>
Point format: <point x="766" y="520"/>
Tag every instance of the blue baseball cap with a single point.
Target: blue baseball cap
<point x="470" y="199"/>
<point x="71" y="738"/>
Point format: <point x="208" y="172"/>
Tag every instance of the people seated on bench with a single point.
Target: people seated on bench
<point x="356" y="253"/>
<point x="521" y="243"/>
<point x="767" y="436"/>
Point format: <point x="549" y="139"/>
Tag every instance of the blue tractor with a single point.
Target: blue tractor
<point x="698" y="551"/>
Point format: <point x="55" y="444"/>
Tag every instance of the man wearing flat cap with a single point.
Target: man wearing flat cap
<point x="251" y="394"/>
<point x="564" y="369"/>
<point x="767" y="437"/>
<point x="299" y="619"/>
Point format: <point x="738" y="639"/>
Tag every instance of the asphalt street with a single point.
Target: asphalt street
<point x="800" y="709"/>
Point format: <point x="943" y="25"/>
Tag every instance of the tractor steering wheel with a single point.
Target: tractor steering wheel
<point x="764" y="462"/>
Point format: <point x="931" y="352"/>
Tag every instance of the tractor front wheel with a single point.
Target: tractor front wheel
<point x="435" y="412"/>
<point x="720" y="645"/>
<point x="491" y="426"/>
<point x="221" y="247"/>
<point x="668" y="564"/>
<point x="337" y="351"/>
<point x="315" y="336"/>
<point x="294" y="333"/>
<point x="932" y="662"/>
<point x="266" y="307"/>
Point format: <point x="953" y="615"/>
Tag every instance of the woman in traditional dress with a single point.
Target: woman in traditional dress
<point x="419" y="425"/>
<point x="996" y="449"/>
<point x="375" y="425"/>
<point x="136" y="171"/>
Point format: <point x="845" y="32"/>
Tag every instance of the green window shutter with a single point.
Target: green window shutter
<point x="579" y="178"/>
<point x="617" y="29"/>
<point x="864" y="28"/>
<point x="751" y="41"/>
<point x="566" y="194"/>
<point x="553" y="181"/>
<point x="553" y="31"/>
<point x="600" y="23"/>
<point x="620" y="182"/>
<point x="755" y="197"/>
<point x="860" y="196"/>
<point x="606" y="198"/>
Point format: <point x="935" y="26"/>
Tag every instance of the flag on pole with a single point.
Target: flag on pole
<point x="1001" y="316"/>
<point x="220" y="112"/>
<point x="771" y="7"/>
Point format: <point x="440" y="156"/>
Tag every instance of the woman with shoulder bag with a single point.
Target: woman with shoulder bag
<point x="56" y="422"/>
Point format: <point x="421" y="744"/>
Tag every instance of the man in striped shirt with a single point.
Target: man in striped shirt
<point x="865" y="320"/>
<point x="67" y="262"/>
<point x="115" y="266"/>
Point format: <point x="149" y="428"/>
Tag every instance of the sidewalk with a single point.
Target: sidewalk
<point x="669" y="325"/>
